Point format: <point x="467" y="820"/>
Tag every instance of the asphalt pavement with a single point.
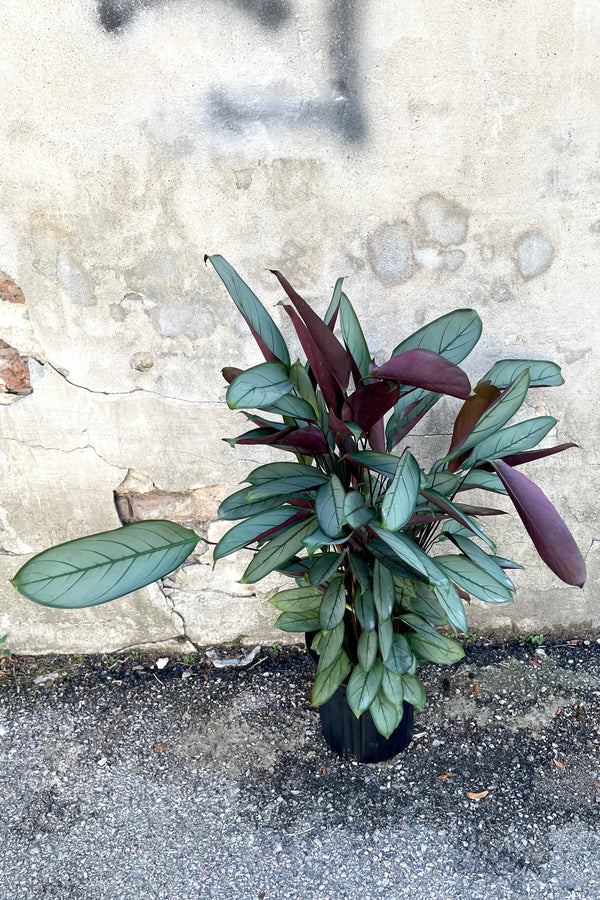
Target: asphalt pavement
<point x="130" y="777"/>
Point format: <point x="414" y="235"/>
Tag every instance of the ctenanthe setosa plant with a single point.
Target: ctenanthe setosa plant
<point x="381" y="553"/>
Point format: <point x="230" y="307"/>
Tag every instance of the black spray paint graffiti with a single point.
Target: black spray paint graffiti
<point x="338" y="109"/>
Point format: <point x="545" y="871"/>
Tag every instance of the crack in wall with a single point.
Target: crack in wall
<point x="62" y="450"/>
<point x="203" y="404"/>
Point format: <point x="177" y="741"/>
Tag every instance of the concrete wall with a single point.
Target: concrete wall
<point x="439" y="155"/>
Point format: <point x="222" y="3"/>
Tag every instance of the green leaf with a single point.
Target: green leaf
<point x="323" y="567"/>
<point x="273" y="471"/>
<point x="401" y="496"/>
<point x="328" y="680"/>
<point x="354" y="337"/>
<point x="360" y="570"/>
<point x="443" y="482"/>
<point x="392" y="686"/>
<point x="298" y="621"/>
<point x="329" y="506"/>
<point x="450" y="653"/>
<point x="408" y="552"/>
<point x="101" y="567"/>
<point x="473" y="579"/>
<point x="301" y="379"/>
<point x="497" y="415"/>
<point x="251" y="308"/>
<point x="294" y="407"/>
<point x="236" y="506"/>
<point x="453" y="335"/>
<point x="364" y="607"/>
<point x="401" y="657"/>
<point x="356" y="512"/>
<point x="385" y="631"/>
<point x="451" y="603"/>
<point x="414" y="692"/>
<point x="542" y="373"/>
<point x="330" y="645"/>
<point x="317" y="539"/>
<point x="334" y="302"/>
<point x="246" y="532"/>
<point x="259" y="387"/>
<point x="487" y="481"/>
<point x="295" y="479"/>
<point x="362" y="688"/>
<point x="385" y="714"/>
<point x="384" y="463"/>
<point x="424" y="629"/>
<point x="300" y="599"/>
<point x="383" y="590"/>
<point x="367" y="649"/>
<point x="333" y="604"/>
<point x="514" y="439"/>
<point x="482" y="559"/>
<point x="426" y="604"/>
<point x="278" y="551"/>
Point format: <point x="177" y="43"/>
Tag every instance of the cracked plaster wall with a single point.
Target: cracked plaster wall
<point x="447" y="157"/>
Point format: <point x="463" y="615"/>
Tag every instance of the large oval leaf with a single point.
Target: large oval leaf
<point x="101" y="567"/>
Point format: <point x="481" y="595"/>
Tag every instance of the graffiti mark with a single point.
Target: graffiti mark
<point x="115" y="15"/>
<point x="335" y="106"/>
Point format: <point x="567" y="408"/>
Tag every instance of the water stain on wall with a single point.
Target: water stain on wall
<point x="533" y="254"/>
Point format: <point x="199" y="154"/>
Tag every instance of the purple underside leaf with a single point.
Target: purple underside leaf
<point x="338" y="359"/>
<point x="423" y="368"/>
<point x="377" y="436"/>
<point x="517" y="459"/>
<point x="551" y="537"/>
<point x="231" y="372"/>
<point x="318" y="363"/>
<point x="310" y="440"/>
<point x="370" y="402"/>
<point x="263" y="436"/>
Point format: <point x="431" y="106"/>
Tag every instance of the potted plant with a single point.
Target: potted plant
<point x="381" y="553"/>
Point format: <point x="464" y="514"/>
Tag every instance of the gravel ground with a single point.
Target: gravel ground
<point x="121" y="779"/>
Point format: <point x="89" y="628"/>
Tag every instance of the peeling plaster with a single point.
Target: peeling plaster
<point x="391" y="254"/>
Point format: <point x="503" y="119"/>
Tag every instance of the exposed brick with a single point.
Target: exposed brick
<point x="196" y="508"/>
<point x="9" y="291"/>
<point x="14" y="371"/>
